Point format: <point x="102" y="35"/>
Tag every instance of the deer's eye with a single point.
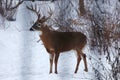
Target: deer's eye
<point x="38" y="25"/>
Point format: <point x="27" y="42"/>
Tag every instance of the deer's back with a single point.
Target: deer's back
<point x="64" y="41"/>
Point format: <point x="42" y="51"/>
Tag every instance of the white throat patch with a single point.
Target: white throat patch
<point x="40" y="32"/>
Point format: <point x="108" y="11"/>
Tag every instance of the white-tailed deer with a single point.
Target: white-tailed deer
<point x="57" y="42"/>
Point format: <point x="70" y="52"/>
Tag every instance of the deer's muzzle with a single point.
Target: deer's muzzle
<point x="31" y="29"/>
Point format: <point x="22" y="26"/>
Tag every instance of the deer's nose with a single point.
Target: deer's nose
<point x="31" y="29"/>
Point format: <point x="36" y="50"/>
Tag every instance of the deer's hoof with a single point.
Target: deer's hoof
<point x="50" y="72"/>
<point x="86" y="70"/>
<point x="75" y="72"/>
<point x="56" y="72"/>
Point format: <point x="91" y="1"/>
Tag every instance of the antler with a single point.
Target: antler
<point x="37" y="12"/>
<point x="50" y="13"/>
<point x="43" y="19"/>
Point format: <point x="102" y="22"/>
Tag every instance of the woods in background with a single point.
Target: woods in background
<point x="98" y="19"/>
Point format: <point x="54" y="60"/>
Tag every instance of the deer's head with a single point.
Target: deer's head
<point x="40" y="22"/>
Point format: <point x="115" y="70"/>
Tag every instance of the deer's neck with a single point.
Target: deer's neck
<point x="46" y="38"/>
<point x="45" y="34"/>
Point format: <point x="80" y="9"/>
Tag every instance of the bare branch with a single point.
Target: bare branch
<point x="37" y="12"/>
<point x="8" y="8"/>
<point x="56" y="22"/>
<point x="81" y="7"/>
<point x="76" y="22"/>
<point x="17" y="5"/>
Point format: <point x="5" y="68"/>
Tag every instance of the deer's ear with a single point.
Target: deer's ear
<point x="39" y="16"/>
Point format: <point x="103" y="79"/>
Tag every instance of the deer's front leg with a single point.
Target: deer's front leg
<point x="51" y="62"/>
<point x="56" y="61"/>
<point x="51" y="56"/>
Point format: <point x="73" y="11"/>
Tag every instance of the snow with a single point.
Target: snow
<point x="22" y="58"/>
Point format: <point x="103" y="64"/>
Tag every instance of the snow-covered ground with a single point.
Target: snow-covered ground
<point x="22" y="58"/>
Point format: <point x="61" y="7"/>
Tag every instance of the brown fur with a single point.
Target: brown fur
<point x="57" y="42"/>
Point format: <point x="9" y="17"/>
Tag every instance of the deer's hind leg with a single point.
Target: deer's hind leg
<point x="78" y="61"/>
<point x="85" y="61"/>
